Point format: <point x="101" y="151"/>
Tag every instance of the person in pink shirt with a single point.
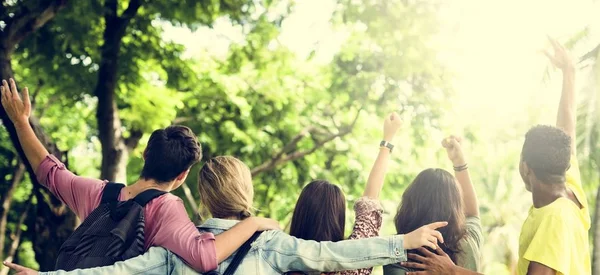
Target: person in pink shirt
<point x="168" y="157"/>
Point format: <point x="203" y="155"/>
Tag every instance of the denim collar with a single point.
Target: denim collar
<point x="218" y="224"/>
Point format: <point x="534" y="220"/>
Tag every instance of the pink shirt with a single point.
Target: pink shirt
<point x="167" y="222"/>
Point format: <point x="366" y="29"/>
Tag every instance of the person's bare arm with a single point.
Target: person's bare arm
<point x="536" y="268"/>
<point x="567" y="108"/>
<point x="18" y="110"/>
<point x="377" y="175"/>
<point x="456" y="156"/>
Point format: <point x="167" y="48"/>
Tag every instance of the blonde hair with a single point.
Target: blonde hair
<point x="225" y="187"/>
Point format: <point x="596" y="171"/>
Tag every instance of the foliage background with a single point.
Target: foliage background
<point x="297" y="90"/>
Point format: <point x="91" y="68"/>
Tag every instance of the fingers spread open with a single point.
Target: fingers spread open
<point x="425" y="251"/>
<point x="440" y="251"/>
<point x="413" y="265"/>
<point x="13" y="89"/>
<point x="26" y="99"/>
<point x="6" y="88"/>
<point x="417" y="257"/>
<point x="438" y="236"/>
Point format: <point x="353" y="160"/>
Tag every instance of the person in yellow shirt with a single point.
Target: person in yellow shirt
<point x="554" y="237"/>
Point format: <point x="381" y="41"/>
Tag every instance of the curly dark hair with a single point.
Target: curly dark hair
<point x="547" y="152"/>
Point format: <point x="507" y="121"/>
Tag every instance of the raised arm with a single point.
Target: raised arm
<point x="567" y="108"/>
<point x="375" y="182"/>
<point x="18" y="110"/>
<point x="461" y="172"/>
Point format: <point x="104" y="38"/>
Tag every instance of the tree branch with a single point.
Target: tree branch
<point x="6" y="201"/>
<point x="28" y="20"/>
<point x="132" y="9"/>
<point x="132" y="141"/>
<point x="282" y="157"/>
<point x="16" y="236"/>
<point x="190" y="198"/>
<point x="36" y="92"/>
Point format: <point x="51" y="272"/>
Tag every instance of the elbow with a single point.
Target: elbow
<point x="204" y="267"/>
<point x="206" y="263"/>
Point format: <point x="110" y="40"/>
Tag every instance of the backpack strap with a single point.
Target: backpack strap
<point x="111" y="192"/>
<point x="241" y="253"/>
<point x="148" y="195"/>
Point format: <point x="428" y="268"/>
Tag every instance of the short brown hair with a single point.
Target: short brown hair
<point x="432" y="197"/>
<point x="225" y="187"/>
<point x="320" y="213"/>
<point x="170" y="152"/>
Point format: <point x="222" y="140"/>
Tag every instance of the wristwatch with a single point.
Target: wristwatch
<point x="386" y="145"/>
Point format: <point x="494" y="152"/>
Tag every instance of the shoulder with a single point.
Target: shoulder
<point x="166" y="206"/>
<point x="557" y="216"/>
<point x="473" y="226"/>
<point x="166" y="199"/>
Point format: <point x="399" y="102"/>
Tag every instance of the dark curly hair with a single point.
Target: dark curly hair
<point x="547" y="152"/>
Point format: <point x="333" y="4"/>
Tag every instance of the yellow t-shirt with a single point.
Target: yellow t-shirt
<point x="556" y="235"/>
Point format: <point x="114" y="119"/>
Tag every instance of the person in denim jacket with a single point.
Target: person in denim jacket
<point x="226" y="190"/>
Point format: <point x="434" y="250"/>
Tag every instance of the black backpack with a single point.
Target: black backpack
<point x="113" y="232"/>
<point x="239" y="256"/>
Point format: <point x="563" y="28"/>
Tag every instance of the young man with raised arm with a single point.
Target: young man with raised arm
<point x="554" y="237"/>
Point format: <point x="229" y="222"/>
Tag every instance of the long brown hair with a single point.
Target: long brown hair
<point x="433" y="196"/>
<point x="320" y="213"/>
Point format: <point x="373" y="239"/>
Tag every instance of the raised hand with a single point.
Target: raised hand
<point x="561" y="57"/>
<point x="20" y="270"/>
<point x="18" y="109"/>
<point x="390" y="126"/>
<point x="426" y="235"/>
<point x="454" y="150"/>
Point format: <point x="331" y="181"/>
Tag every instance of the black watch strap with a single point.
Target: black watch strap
<point x="386" y="145"/>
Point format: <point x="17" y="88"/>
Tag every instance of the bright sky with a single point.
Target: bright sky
<point x="492" y="48"/>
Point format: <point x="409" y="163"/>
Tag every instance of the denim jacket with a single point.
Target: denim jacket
<point x="274" y="252"/>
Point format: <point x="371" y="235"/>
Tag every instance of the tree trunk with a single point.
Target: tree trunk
<point x="115" y="148"/>
<point x="6" y="202"/>
<point x="22" y="23"/>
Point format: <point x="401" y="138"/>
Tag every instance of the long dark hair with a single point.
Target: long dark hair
<point x="433" y="196"/>
<point x="320" y="213"/>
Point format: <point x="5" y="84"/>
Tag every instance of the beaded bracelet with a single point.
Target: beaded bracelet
<point x="461" y="168"/>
